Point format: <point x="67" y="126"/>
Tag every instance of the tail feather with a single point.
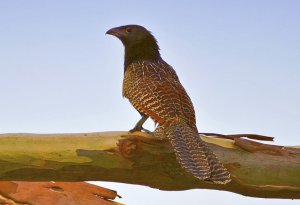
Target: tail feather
<point x="194" y="155"/>
<point x="219" y="174"/>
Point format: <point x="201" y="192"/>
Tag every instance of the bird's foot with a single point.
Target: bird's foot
<point x="140" y="129"/>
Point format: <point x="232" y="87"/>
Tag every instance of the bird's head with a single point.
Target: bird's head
<point x="139" y="43"/>
<point x="132" y="34"/>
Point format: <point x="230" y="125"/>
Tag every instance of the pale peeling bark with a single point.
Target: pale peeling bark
<point x="141" y="159"/>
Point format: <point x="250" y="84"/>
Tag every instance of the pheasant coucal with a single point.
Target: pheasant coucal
<point x="153" y="88"/>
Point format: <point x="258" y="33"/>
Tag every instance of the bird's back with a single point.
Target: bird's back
<point x="154" y="89"/>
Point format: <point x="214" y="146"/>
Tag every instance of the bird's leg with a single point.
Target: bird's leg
<point x="139" y="125"/>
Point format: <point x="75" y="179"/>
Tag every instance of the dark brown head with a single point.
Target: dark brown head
<point x="139" y="43"/>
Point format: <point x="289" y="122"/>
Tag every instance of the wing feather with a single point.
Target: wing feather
<point x="154" y="89"/>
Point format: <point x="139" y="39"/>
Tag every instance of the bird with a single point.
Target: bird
<point x="153" y="88"/>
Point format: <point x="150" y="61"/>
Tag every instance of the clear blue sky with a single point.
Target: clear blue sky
<point x="238" y="60"/>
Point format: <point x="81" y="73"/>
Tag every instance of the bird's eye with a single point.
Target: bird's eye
<point x="128" y="30"/>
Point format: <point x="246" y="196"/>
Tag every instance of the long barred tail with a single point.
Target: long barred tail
<point x="194" y="155"/>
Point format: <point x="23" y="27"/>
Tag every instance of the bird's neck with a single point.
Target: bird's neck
<point x="141" y="51"/>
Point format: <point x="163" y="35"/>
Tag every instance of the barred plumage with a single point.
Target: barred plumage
<point x="153" y="88"/>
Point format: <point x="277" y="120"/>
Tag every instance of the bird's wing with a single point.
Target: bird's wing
<point x="155" y="90"/>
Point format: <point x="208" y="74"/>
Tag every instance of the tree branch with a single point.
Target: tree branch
<point x="141" y="159"/>
<point x="58" y="193"/>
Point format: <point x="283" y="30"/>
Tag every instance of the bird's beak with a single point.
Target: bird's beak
<point x="115" y="32"/>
